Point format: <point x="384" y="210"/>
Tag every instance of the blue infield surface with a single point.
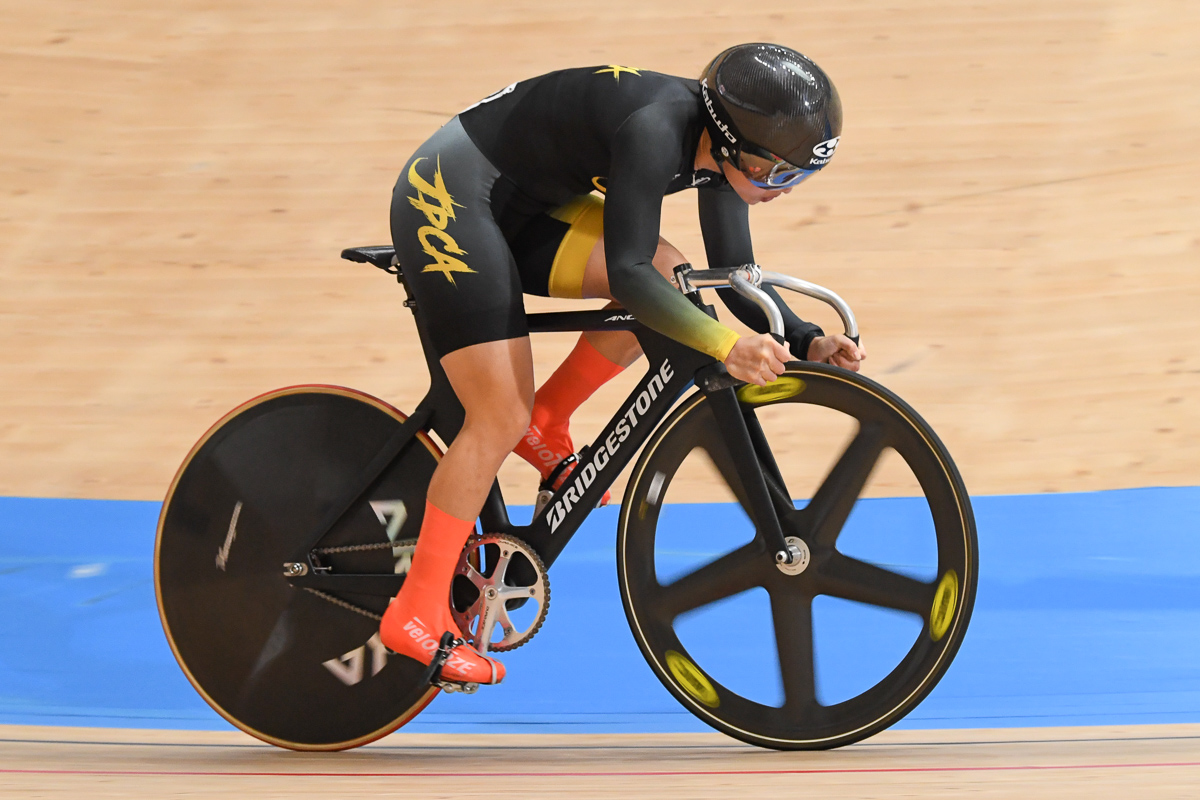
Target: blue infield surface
<point x="1087" y="614"/>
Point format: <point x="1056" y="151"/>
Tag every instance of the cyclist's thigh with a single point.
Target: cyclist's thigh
<point x="552" y="249"/>
<point x="594" y="281"/>
<point x="451" y="251"/>
<point x="561" y="253"/>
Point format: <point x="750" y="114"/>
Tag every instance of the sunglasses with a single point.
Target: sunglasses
<point x="771" y="173"/>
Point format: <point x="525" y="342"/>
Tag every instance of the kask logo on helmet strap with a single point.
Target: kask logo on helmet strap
<point x="708" y="103"/>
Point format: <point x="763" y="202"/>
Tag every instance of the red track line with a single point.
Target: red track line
<point x="650" y="774"/>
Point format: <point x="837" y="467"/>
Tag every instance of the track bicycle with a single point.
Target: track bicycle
<point x="292" y="521"/>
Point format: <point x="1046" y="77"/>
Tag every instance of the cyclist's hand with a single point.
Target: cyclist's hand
<point x="838" y="350"/>
<point x="757" y="359"/>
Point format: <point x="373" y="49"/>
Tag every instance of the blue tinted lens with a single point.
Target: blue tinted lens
<point x="783" y="178"/>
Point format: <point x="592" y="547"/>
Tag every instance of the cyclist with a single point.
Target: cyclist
<point x="499" y="202"/>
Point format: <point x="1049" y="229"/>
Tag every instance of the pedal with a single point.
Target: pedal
<point x="433" y="673"/>
<point x="450" y="687"/>
<point x="546" y="487"/>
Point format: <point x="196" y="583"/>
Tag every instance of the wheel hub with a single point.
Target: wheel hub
<point x="801" y="556"/>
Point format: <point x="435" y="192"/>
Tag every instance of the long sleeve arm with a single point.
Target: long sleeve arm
<point x="641" y="170"/>
<point x="725" y="225"/>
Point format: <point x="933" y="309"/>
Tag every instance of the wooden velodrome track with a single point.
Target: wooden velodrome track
<point x="1066" y="763"/>
<point x="1012" y="213"/>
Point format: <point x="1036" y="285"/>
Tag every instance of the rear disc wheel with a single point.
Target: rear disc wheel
<point x="295" y="668"/>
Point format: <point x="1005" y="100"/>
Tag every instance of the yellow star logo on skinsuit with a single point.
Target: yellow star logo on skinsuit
<point x="616" y="71"/>
<point x="439" y="212"/>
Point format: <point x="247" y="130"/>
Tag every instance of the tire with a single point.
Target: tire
<point x="284" y="664"/>
<point x="924" y="617"/>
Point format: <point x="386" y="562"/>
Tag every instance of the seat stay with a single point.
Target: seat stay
<point x="387" y="455"/>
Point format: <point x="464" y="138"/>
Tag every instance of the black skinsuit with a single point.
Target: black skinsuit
<point x="481" y="180"/>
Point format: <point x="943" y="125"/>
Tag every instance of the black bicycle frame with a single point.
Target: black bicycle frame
<point x="672" y="368"/>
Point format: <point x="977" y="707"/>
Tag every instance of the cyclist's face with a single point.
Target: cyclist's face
<point x="746" y="190"/>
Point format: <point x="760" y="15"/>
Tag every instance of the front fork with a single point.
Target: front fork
<point x="756" y="467"/>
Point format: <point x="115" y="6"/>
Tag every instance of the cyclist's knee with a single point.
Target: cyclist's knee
<point x="501" y="422"/>
<point x="667" y="258"/>
<point x="516" y="423"/>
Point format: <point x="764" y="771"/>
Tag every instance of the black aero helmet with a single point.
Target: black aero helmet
<point x="770" y="102"/>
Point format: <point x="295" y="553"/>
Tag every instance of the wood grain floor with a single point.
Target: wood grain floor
<point x="1014" y="214"/>
<point x="1089" y="763"/>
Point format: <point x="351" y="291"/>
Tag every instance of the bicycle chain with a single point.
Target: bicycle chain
<point x="354" y="548"/>
<point x="337" y="601"/>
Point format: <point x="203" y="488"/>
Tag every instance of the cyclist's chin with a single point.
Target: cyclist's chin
<point x="746" y="190"/>
<point x="751" y="194"/>
<point x="764" y="195"/>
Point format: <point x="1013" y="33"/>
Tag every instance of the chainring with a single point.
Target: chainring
<point x="496" y="574"/>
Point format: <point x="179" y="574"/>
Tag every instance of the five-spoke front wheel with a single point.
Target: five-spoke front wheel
<point x="888" y="594"/>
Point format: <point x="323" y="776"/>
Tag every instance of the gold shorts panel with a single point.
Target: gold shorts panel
<point x="585" y="215"/>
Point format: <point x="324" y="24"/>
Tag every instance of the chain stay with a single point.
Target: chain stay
<point x="355" y="548"/>
<point x="337" y="601"/>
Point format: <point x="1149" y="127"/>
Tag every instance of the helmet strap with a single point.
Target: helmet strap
<point x="723" y="152"/>
<point x="722" y="148"/>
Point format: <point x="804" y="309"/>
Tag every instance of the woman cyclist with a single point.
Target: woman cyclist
<point x="500" y="202"/>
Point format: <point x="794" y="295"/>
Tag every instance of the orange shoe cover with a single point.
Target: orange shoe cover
<point x="548" y="440"/>
<point x="553" y="453"/>
<point x="418" y="616"/>
<point x="541" y="450"/>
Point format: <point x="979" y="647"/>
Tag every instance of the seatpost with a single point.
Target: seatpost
<point x="718" y="387"/>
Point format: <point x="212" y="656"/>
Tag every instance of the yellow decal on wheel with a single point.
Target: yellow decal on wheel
<point x="945" y="601"/>
<point x="781" y="389"/>
<point x="689" y="676"/>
